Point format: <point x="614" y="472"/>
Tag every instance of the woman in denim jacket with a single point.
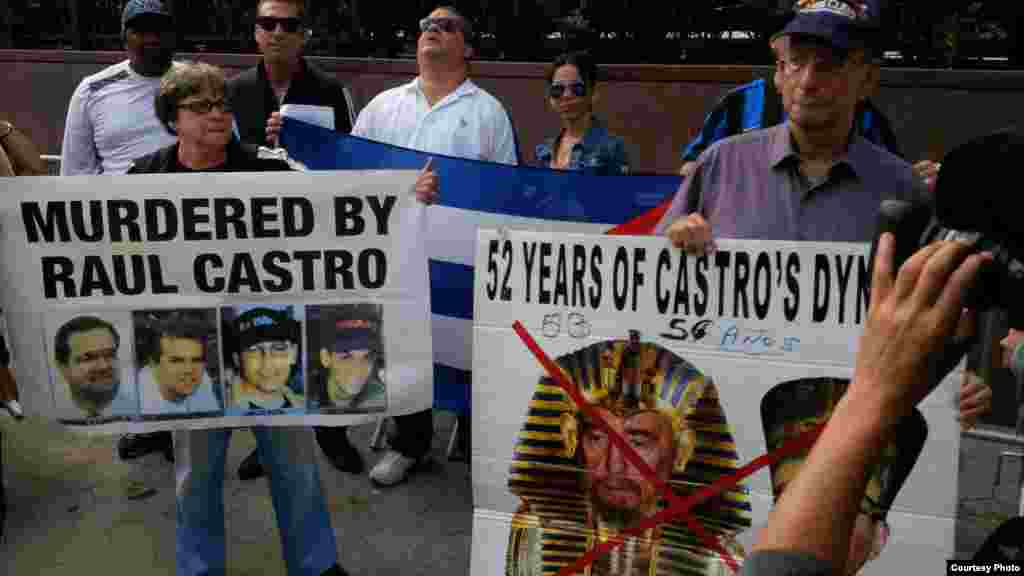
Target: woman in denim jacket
<point x="583" y="143"/>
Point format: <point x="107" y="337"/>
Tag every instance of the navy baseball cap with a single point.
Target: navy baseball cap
<point x="265" y="325"/>
<point x="845" y="24"/>
<point x="353" y="335"/>
<point x="135" y="8"/>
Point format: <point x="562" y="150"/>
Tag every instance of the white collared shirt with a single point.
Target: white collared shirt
<point x="468" y="123"/>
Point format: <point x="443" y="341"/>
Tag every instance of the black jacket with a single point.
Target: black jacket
<point x="241" y="158"/>
<point x="253" y="99"/>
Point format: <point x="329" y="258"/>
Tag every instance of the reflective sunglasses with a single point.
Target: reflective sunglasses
<point x="270" y="23"/>
<point x="204" y="106"/>
<point x="555" y="90"/>
<point x="445" y="24"/>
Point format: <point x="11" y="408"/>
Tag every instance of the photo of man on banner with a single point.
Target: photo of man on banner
<point x="86" y="357"/>
<point x="262" y="351"/>
<point x="174" y="348"/>
<point x="346" y="357"/>
<point x="576" y="489"/>
<point x="796" y="406"/>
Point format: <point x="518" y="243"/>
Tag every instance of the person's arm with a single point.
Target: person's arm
<point x="6" y="168"/>
<point x="364" y="123"/>
<point x="22" y="153"/>
<point x="344" y="111"/>
<point x="909" y="318"/>
<point x="78" y="153"/>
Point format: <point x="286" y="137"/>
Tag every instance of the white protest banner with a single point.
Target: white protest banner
<point x="149" y="302"/>
<point x="701" y="365"/>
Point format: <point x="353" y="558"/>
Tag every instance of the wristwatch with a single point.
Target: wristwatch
<point x="5" y="129"/>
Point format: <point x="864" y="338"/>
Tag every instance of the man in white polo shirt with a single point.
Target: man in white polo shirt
<point x="440" y="112"/>
<point x="111" y="120"/>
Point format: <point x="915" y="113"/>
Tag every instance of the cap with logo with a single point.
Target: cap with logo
<point x="136" y="8"/>
<point x="264" y="325"/>
<point x="845" y="24"/>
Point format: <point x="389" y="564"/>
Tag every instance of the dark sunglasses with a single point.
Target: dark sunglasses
<point x="270" y="23"/>
<point x="204" y="106"/>
<point x="445" y="24"/>
<point x="555" y="90"/>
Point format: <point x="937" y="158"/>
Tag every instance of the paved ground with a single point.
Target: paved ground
<point x="983" y="506"/>
<point x="70" y="514"/>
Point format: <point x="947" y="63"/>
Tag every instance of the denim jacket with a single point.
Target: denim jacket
<point x="599" y="152"/>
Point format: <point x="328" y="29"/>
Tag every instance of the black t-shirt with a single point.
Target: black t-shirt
<point x="240" y="158"/>
<point x="253" y="99"/>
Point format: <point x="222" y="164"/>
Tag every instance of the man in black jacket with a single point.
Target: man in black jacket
<point x="283" y="77"/>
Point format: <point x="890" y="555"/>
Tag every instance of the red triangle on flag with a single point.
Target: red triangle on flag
<point x="643" y="224"/>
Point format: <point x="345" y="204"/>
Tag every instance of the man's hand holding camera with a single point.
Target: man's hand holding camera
<point x="911" y="316"/>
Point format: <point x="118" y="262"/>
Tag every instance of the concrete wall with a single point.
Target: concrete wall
<point x="656" y="108"/>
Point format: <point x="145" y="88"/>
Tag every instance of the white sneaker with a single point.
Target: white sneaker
<point x="393" y="468"/>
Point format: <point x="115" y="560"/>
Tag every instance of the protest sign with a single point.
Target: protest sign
<point x="475" y="194"/>
<point x="699" y="365"/>
<point x="164" y="301"/>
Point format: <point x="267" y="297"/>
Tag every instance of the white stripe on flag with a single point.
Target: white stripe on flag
<point x="452" y="233"/>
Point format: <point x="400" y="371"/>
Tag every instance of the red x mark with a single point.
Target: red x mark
<point x="679" y="507"/>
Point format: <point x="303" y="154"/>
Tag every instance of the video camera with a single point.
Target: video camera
<point x="975" y="201"/>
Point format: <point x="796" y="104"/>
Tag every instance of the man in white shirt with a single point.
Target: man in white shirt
<point x="111" y="119"/>
<point x="174" y="379"/>
<point x="440" y="112"/>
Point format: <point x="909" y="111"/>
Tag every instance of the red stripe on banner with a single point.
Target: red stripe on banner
<point x="642" y="225"/>
<point x="680" y="507"/>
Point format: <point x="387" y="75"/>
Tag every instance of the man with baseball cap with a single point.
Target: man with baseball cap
<point x="794" y="407"/>
<point x="266" y="360"/>
<point x="812" y="177"/>
<point x="111" y="121"/>
<point x="349" y="357"/>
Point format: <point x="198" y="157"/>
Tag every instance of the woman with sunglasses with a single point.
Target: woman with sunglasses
<point x="583" y="142"/>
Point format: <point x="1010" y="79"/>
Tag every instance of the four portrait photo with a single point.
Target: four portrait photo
<point x="157" y="364"/>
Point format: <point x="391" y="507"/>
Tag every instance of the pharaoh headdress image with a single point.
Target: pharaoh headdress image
<point x="553" y="526"/>
<point x="794" y="407"/>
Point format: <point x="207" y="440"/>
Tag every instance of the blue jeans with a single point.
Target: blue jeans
<point x="289" y="455"/>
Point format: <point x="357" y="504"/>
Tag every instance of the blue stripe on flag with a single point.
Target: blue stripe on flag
<point x="523" y="191"/>
<point x="451" y="388"/>
<point x="451" y="289"/>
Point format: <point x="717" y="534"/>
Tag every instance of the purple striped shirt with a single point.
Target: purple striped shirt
<point x="750" y="187"/>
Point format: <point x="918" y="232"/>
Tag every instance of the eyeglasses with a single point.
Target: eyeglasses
<point x="445" y="24"/>
<point x="795" y="63"/>
<point x="204" y="106"/>
<point x="555" y="89"/>
<point x="270" y="23"/>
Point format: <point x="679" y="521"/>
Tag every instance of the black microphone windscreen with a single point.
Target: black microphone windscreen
<point x="976" y="185"/>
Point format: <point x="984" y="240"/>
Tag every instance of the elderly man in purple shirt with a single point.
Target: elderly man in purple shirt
<point x="811" y="178"/>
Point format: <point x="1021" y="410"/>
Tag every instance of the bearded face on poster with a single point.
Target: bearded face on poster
<point x="577" y="489"/>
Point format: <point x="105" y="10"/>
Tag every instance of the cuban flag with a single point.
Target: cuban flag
<point x="475" y="194"/>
